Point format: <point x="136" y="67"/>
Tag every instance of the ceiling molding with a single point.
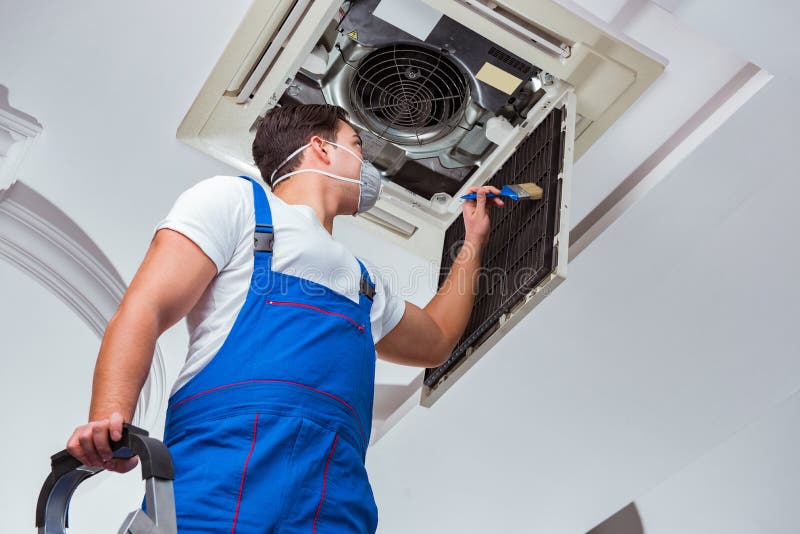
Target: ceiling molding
<point x="45" y="243"/>
<point x="17" y="132"/>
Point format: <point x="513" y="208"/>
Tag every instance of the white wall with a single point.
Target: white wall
<point x="110" y="82"/>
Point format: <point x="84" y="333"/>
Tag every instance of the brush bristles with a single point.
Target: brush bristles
<point x="531" y="191"/>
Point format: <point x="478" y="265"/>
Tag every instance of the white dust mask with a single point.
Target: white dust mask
<point x="370" y="184"/>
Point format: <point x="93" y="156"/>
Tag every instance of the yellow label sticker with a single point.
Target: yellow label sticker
<point x="353" y="34"/>
<point x="498" y="78"/>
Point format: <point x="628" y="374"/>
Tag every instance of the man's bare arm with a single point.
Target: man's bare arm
<point x="173" y="275"/>
<point x="426" y="337"/>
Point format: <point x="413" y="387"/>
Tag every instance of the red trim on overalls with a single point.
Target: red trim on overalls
<point x="352" y="410"/>
<point x="324" y="481"/>
<point x="244" y="472"/>
<point x="315" y="308"/>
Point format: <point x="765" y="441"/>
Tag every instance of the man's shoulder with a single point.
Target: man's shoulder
<point x="218" y="192"/>
<point x="224" y="184"/>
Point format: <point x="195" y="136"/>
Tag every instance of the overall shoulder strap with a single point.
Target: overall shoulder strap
<point x="264" y="235"/>
<point x="366" y="286"/>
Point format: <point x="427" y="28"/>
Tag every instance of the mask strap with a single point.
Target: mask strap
<point x="344" y="147"/>
<point x="288" y="174"/>
<point x="290" y="156"/>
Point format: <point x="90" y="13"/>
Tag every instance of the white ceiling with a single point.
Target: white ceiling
<point x="674" y="330"/>
<point x="745" y="485"/>
<point x="748" y="483"/>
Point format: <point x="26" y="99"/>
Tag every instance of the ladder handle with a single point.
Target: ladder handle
<point x="67" y="471"/>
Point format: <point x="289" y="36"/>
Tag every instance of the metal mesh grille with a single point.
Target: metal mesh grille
<point x="509" y="60"/>
<point x="407" y="93"/>
<point x="520" y="252"/>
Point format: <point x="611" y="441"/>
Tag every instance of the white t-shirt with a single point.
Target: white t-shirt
<point x="217" y="214"/>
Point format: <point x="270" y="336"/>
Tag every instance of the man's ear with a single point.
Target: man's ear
<point x="316" y="144"/>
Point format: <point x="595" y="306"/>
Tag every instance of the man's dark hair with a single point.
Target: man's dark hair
<point x="284" y="129"/>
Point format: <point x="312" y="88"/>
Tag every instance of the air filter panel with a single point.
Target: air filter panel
<point x="522" y="254"/>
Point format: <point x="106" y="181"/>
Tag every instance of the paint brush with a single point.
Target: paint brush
<point x="514" y="192"/>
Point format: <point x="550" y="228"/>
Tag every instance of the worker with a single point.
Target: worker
<point x="269" y="419"/>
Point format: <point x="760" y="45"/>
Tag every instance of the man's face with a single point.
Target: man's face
<point x="346" y="164"/>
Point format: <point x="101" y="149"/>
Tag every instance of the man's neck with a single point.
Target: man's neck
<point x="301" y="192"/>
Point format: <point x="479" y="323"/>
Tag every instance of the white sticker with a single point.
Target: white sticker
<point x="412" y="16"/>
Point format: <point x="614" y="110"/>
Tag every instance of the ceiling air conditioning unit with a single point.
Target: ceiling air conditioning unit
<point x="446" y="94"/>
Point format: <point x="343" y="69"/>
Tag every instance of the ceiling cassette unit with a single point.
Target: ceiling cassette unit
<point x="446" y="94"/>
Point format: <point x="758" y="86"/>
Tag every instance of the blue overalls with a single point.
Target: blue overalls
<point x="271" y="435"/>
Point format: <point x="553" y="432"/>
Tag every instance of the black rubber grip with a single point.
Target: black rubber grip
<point x="153" y="456"/>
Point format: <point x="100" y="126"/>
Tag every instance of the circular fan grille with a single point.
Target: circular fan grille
<point x="409" y="94"/>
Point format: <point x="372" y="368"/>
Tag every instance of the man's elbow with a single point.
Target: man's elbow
<point x="442" y="354"/>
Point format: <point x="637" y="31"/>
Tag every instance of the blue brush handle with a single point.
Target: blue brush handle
<point x="504" y="192"/>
